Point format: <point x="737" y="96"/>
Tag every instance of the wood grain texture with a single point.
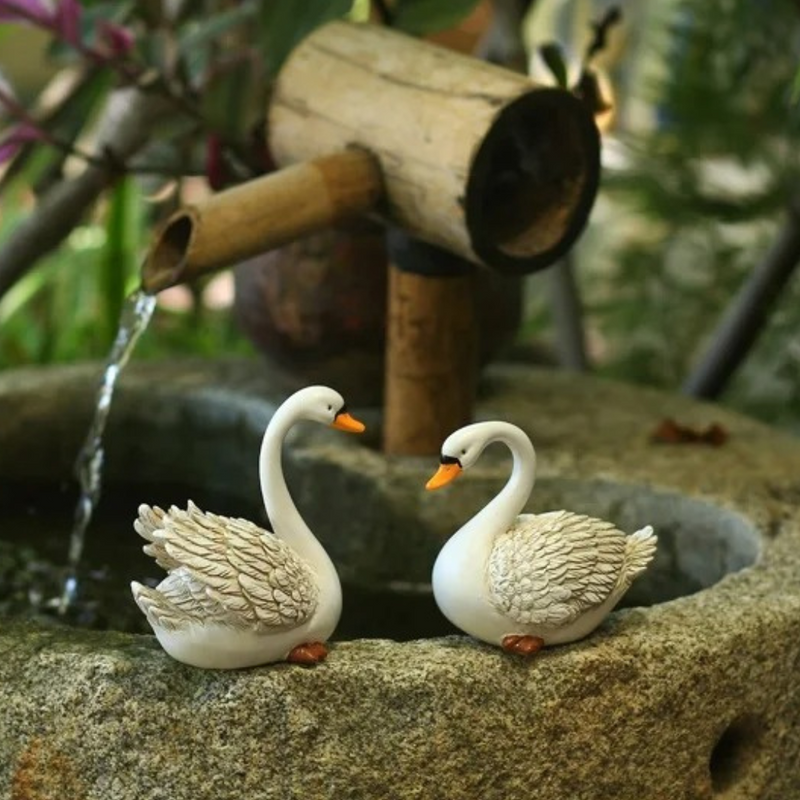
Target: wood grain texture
<point x="431" y="360"/>
<point x="421" y="109"/>
<point x="456" y="139"/>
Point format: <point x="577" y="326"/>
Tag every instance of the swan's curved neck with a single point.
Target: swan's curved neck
<point x="501" y="512"/>
<point x="284" y="517"/>
<point x="467" y="553"/>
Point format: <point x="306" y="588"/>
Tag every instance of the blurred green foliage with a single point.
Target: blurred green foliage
<point x="67" y="309"/>
<point x="214" y="61"/>
<point x="700" y="202"/>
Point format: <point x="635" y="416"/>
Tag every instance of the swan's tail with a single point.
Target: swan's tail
<point x="160" y="612"/>
<point x="639" y="551"/>
<point x="149" y="525"/>
<point x="150" y="520"/>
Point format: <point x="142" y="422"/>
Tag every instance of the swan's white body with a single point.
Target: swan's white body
<point x="553" y="576"/>
<point x="237" y="595"/>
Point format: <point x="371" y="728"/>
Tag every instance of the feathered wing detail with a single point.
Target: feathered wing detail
<point x="640" y="547"/>
<point x="548" y="569"/>
<point x="222" y="570"/>
<point x="147" y="525"/>
<point x="178" y="601"/>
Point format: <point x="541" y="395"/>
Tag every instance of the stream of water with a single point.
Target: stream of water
<point x="136" y="314"/>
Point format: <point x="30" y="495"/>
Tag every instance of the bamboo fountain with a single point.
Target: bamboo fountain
<point x="465" y="156"/>
<point x="694" y="694"/>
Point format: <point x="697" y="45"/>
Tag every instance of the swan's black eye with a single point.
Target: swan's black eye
<point x="330" y="408"/>
<point x="463" y="452"/>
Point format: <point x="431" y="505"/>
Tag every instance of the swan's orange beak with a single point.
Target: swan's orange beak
<point x="345" y="422"/>
<point x="444" y="475"/>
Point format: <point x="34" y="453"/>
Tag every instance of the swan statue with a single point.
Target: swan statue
<point x="237" y="595"/>
<point x="523" y="581"/>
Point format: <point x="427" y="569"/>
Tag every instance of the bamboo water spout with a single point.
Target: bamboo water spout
<point x="461" y="154"/>
<point x="260" y="215"/>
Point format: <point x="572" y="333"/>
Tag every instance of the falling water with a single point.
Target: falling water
<point x="135" y="317"/>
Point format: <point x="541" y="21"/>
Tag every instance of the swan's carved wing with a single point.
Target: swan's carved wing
<point x="226" y="570"/>
<point x="548" y="569"/>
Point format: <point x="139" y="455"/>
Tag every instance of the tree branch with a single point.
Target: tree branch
<point x="747" y="313"/>
<point x="124" y="129"/>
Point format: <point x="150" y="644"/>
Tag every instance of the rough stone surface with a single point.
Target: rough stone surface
<point x="694" y="697"/>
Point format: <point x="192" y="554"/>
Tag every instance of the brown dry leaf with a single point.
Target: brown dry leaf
<point x="671" y="432"/>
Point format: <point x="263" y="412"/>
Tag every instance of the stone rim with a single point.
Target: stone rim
<point x="646" y="651"/>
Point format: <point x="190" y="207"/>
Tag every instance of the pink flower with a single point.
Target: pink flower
<point x="13" y="141"/>
<point x="37" y="12"/>
<point x="118" y="40"/>
<point x="68" y="20"/>
<point x="63" y="17"/>
<point x="217" y="171"/>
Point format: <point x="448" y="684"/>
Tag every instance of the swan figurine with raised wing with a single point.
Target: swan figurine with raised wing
<point x="523" y="581"/>
<point x="237" y="595"/>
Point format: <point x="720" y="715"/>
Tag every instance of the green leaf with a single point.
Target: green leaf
<point x="66" y="122"/>
<point x="106" y="11"/>
<point x="227" y="96"/>
<point x="795" y="94"/>
<point x="209" y="29"/>
<point x="360" y="11"/>
<point x="119" y="256"/>
<point x="553" y="56"/>
<point x="21" y="293"/>
<point x="284" y="23"/>
<point x="198" y="40"/>
<point x="420" y="17"/>
<point x="151" y="12"/>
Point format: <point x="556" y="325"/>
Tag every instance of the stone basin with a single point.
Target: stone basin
<point x="692" y="691"/>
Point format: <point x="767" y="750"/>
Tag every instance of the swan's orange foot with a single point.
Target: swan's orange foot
<point x="522" y="645"/>
<point x="309" y="653"/>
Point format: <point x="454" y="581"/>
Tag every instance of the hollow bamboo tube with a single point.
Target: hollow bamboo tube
<point x="476" y="159"/>
<point x="431" y="360"/>
<point x="254" y="217"/>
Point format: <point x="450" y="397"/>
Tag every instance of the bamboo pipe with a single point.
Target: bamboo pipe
<point x="461" y="154"/>
<point x="260" y="215"/>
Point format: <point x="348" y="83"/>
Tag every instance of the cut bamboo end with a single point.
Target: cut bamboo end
<point x="254" y="217"/>
<point x="532" y="182"/>
<point x="166" y="262"/>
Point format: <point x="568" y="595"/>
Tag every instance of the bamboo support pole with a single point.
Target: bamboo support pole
<point x="260" y="215"/>
<point x="431" y="353"/>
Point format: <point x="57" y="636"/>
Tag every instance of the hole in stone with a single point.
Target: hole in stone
<point x="735" y="754"/>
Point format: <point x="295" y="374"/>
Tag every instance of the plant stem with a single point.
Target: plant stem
<point x="146" y="80"/>
<point x="124" y="130"/>
<point x="106" y="162"/>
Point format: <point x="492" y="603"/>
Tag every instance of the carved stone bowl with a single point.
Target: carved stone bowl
<point x="692" y="691"/>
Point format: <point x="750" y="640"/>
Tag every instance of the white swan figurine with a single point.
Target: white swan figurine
<point x="237" y="595"/>
<point x="523" y="581"/>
